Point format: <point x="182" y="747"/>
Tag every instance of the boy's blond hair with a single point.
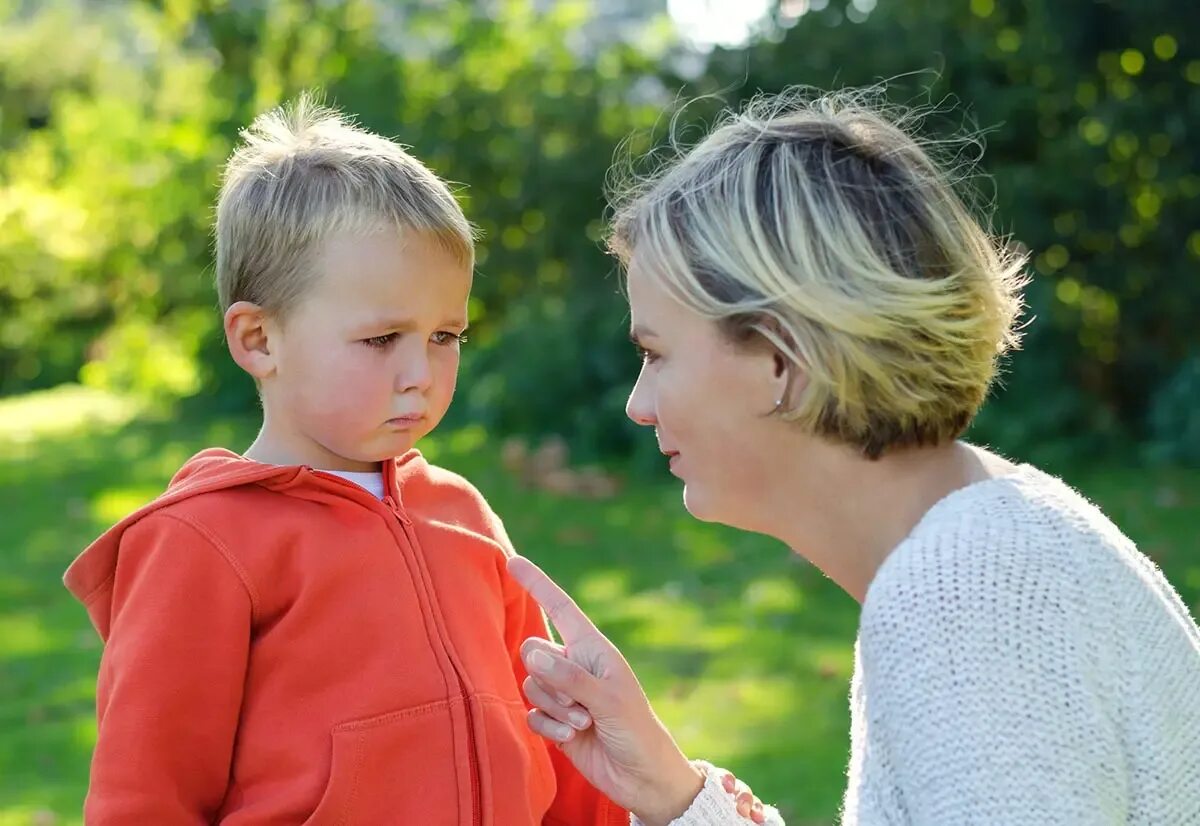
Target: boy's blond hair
<point x="817" y="224"/>
<point x="303" y="172"/>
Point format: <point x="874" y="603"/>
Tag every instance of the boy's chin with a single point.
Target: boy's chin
<point x="396" y="445"/>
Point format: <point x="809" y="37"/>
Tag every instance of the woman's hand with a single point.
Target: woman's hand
<point x="625" y="752"/>
<point x="748" y="805"/>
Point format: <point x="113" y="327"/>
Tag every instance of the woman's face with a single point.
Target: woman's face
<point x="708" y="401"/>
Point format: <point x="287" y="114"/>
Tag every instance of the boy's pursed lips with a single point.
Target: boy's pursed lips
<point x="407" y="420"/>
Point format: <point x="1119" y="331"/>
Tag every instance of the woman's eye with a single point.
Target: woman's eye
<point x="380" y="342"/>
<point x="444" y="337"/>
<point x="645" y="355"/>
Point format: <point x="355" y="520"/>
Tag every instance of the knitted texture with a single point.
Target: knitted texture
<point x="1018" y="662"/>
<point x="714" y="806"/>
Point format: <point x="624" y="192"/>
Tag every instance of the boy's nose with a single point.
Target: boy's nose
<point x="415" y="373"/>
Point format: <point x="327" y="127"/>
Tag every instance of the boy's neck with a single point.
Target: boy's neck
<point x="269" y="449"/>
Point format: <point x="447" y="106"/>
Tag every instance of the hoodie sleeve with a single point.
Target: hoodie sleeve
<point x="171" y="677"/>
<point x="577" y="803"/>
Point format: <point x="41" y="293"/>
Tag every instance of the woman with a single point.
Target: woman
<point x="820" y="317"/>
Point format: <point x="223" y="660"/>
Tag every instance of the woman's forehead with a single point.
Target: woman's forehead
<point x="644" y="289"/>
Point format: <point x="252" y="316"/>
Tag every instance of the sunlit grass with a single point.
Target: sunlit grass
<point x="745" y="651"/>
<point x="62" y="410"/>
<point x="114" y="505"/>
<point x="23" y="634"/>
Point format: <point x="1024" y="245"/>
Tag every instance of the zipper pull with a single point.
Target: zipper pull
<point x="395" y="508"/>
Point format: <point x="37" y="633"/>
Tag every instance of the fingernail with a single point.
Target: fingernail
<point x="541" y="662"/>
<point x="562" y="732"/>
<point x="578" y="719"/>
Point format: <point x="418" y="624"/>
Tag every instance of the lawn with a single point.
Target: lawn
<point x="745" y="650"/>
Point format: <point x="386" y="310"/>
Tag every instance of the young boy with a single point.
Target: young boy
<point x="322" y="630"/>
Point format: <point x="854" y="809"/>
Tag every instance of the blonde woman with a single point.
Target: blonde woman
<point x="820" y="317"/>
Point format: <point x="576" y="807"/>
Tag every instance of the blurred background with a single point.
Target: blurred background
<point x="115" y="118"/>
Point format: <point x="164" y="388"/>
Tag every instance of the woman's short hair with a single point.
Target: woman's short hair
<point x="819" y="225"/>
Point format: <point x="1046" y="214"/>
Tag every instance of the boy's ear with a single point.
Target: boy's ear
<point x="247" y="333"/>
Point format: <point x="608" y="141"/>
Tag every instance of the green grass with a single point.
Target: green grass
<point x="745" y="650"/>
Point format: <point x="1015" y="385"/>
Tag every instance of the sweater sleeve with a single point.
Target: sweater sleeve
<point x="989" y="692"/>
<point x="171" y="679"/>
<point x="714" y="806"/>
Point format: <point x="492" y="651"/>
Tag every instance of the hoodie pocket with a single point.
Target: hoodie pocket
<point x="394" y="768"/>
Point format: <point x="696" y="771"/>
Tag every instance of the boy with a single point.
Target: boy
<point x="322" y="631"/>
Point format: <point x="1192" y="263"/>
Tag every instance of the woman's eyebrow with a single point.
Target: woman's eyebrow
<point x="639" y="332"/>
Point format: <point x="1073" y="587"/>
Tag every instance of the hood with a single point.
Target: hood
<point x="210" y="470"/>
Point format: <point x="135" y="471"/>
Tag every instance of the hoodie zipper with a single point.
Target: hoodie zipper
<point x="472" y="748"/>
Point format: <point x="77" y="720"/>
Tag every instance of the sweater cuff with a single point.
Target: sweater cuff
<point x="713" y="806"/>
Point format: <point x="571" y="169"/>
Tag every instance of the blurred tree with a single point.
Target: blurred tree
<point x="108" y="131"/>
<point x="116" y="117"/>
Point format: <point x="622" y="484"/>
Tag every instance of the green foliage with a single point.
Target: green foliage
<point x="115" y="118"/>
<point x="1175" y="417"/>
<point x="110" y="148"/>
<point x="150" y="361"/>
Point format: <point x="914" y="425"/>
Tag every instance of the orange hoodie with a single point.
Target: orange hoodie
<point x="281" y="647"/>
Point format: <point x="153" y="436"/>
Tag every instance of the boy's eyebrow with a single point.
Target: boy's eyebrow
<point x="407" y="324"/>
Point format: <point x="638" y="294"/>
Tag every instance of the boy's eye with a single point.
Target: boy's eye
<point x="379" y="342"/>
<point x="444" y="337"/>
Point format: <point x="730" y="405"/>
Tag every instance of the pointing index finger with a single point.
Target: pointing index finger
<point x="567" y="617"/>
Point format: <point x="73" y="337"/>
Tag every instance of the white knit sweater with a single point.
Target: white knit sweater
<point x="1018" y="662"/>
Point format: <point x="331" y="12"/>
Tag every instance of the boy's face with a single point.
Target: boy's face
<point x="366" y="363"/>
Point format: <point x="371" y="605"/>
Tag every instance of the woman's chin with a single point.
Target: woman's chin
<point x="702" y="505"/>
<point x="698" y="505"/>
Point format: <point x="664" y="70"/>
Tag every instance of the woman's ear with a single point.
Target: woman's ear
<point x="780" y="381"/>
<point x="781" y="374"/>
<point x="247" y="333"/>
<point x="788" y="380"/>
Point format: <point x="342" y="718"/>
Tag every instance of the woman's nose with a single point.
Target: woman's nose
<point x="640" y="408"/>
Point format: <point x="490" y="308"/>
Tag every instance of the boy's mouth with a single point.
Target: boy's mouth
<point x="410" y="420"/>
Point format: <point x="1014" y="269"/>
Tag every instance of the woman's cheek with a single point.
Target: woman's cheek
<point x="667" y="394"/>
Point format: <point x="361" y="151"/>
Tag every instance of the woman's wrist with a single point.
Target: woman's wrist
<point x="671" y="796"/>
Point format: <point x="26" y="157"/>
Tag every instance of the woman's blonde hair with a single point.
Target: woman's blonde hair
<point x="817" y="224"/>
<point x="303" y="172"/>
